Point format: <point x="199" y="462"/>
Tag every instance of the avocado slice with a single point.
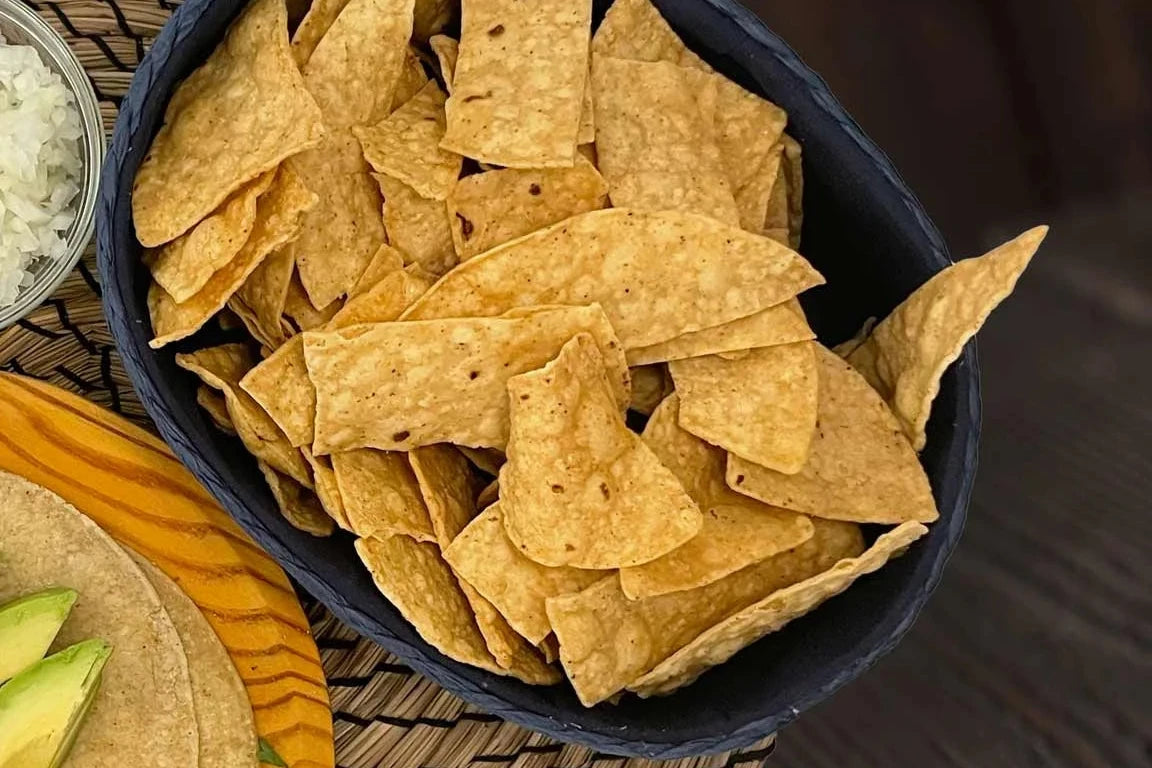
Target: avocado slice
<point x="41" y="708"/>
<point x="28" y="625"/>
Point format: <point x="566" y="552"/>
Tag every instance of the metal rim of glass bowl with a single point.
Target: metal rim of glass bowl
<point x="20" y="25"/>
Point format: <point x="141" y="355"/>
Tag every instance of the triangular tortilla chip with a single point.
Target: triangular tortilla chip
<point x="326" y="487"/>
<point x="381" y="496"/>
<point x="737" y="531"/>
<point x="608" y="641"/>
<point x="907" y="353"/>
<point x="210" y="144"/>
<point x="321" y="14"/>
<point x="580" y="488"/>
<point x="263" y="296"/>
<point x="297" y="504"/>
<point x="447" y="51"/>
<point x="657" y="275"/>
<point x="723" y="641"/>
<point x="860" y="466"/>
<point x="634" y="29"/>
<point x="794" y="173"/>
<point x="385" y="261"/>
<point x="417" y="226"/>
<point x="761" y="407"/>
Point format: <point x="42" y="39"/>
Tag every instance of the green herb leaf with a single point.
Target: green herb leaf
<point x="266" y="754"/>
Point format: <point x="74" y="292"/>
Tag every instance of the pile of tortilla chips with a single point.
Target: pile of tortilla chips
<point x="457" y="283"/>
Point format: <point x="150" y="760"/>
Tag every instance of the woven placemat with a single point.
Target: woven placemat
<point x="385" y="714"/>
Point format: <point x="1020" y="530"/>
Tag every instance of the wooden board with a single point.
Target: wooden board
<point x="127" y="481"/>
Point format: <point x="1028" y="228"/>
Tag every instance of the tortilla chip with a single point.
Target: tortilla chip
<point x="848" y="346"/>
<point x="280" y="384"/>
<point x="761" y="407"/>
<point x="416" y="580"/>
<point x="517" y="585"/>
<point x="655" y="149"/>
<point x="650" y="385"/>
<point x="784" y="323"/>
<point x="279" y="217"/>
<point x="487" y="209"/>
<point x="794" y="172"/>
<point x="755" y="196"/>
<point x="297" y="504"/>
<point x="213" y="404"/>
<point x="776" y="217"/>
<point x="634" y="29"/>
<point x="737" y="531"/>
<point x="321" y="14"/>
<point x="406" y="145"/>
<point x="264" y="294"/>
<point x="512" y="652"/>
<point x="143" y="713"/>
<point x="907" y="353"/>
<point x="222" y="368"/>
<point x="550" y="648"/>
<point x="397" y="386"/>
<point x="519" y="82"/>
<point x="431" y="16"/>
<point x="412" y="79"/>
<point x="860" y="466"/>
<point x="722" y="642"/>
<point x="488" y="495"/>
<point x="299" y="311"/>
<point x="447" y="51"/>
<point x="586" y="133"/>
<point x="237" y="116"/>
<point x="657" y="275"/>
<point x="747" y="128"/>
<point x="326" y="487"/>
<point x="223" y="713"/>
<point x="417" y="226"/>
<point x="183" y="266"/>
<point x="385" y="261"/>
<point x="487" y="460"/>
<point x="580" y="489"/>
<point x="608" y="641"/>
<point x="342" y="234"/>
<point x="381" y="496"/>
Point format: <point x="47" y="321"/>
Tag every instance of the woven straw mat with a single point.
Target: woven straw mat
<point x="385" y="714"/>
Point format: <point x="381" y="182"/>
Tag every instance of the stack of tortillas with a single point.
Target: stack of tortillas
<point x="170" y="695"/>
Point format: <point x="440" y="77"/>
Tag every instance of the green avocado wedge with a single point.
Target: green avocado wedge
<point x="42" y="707"/>
<point x="28" y="625"/>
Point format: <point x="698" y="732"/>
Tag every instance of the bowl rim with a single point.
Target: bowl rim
<point x="963" y="445"/>
<point x="61" y="59"/>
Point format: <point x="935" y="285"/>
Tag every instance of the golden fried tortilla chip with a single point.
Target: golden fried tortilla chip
<point x="381" y="496"/>
<point x="299" y="312"/>
<point x="754" y="198"/>
<point x="848" y="346"/>
<point x="263" y="295"/>
<point x="487" y="460"/>
<point x="239" y="115"/>
<point x="761" y="407"/>
<point x="776" y="217"/>
<point x="297" y="504"/>
<point x="415" y="579"/>
<point x="907" y="353"/>
<point x="183" y="266"/>
<point x="486" y="558"/>
<point x="447" y="50"/>
<point x="326" y="487"/>
<point x="608" y="641"/>
<point x="222" y="368"/>
<point x="519" y="84"/>
<point x="431" y="16"/>
<point x="580" y="489"/>
<point x="737" y="531"/>
<point x="321" y="14"/>
<point x="747" y="128"/>
<point x="586" y="133"/>
<point x="488" y="495"/>
<point x="385" y="261"/>
<point x="343" y="233"/>
<point x="634" y="29"/>
<point x="417" y="226"/>
<point x="650" y="385"/>
<point x="656" y="150"/>
<point x="784" y="323"/>
<point x="487" y="209"/>
<point x="657" y="275"/>
<point x="412" y="79"/>
<point x="213" y="404"/>
<point x="396" y="386"/>
<point x="721" y="642"/>
<point x="280" y="383"/>
<point x="860" y="466"/>
<point x="280" y="213"/>
<point x="406" y="145"/>
<point x="512" y="652"/>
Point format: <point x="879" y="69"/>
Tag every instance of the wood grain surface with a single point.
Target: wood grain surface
<point x="130" y="484"/>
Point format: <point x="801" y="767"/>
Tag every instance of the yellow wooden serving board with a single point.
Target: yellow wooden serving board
<point x="130" y="483"/>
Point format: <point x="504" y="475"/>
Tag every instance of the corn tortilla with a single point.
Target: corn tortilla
<point x="381" y="495"/>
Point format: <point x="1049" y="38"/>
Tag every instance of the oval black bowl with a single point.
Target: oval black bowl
<point x="863" y="229"/>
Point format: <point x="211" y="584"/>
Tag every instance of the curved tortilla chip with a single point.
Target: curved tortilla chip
<point x="860" y="466"/>
<point x="381" y="495"/>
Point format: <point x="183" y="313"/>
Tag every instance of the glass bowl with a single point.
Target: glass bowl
<point x="21" y="26"/>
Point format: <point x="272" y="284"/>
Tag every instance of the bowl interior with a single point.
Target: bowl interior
<point x="865" y="232"/>
<point x="21" y="26"/>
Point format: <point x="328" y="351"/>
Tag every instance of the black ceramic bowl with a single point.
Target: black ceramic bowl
<point x="863" y="230"/>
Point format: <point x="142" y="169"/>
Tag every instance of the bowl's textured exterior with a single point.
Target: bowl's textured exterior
<point x="863" y="229"/>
